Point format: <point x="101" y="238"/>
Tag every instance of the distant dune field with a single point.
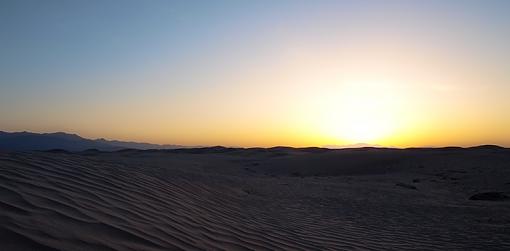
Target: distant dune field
<point x="256" y="199"/>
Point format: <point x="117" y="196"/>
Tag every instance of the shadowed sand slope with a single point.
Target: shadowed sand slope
<point x="255" y="199"/>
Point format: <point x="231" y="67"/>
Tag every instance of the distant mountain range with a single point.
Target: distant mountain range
<point x="70" y="142"/>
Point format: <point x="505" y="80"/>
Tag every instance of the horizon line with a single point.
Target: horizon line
<point x="359" y="145"/>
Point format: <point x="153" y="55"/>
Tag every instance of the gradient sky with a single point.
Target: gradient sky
<point x="259" y="73"/>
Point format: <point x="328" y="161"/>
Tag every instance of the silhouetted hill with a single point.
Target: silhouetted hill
<point x="136" y="145"/>
<point x="48" y="141"/>
<point x="26" y="141"/>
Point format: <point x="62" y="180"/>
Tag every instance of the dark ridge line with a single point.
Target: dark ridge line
<point x="275" y="149"/>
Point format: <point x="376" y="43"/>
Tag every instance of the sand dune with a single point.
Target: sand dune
<point x="255" y="199"/>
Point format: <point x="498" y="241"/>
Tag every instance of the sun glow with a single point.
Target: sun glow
<point x="360" y="112"/>
<point x="362" y="125"/>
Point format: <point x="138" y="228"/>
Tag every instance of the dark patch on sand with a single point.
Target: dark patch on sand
<point x="490" y="196"/>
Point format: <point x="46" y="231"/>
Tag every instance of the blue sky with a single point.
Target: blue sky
<point x="98" y="68"/>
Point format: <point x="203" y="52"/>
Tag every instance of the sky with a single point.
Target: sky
<point x="259" y="73"/>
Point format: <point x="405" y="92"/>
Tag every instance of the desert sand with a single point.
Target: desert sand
<point x="256" y="199"/>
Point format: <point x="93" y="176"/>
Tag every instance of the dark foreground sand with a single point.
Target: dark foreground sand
<point x="258" y="199"/>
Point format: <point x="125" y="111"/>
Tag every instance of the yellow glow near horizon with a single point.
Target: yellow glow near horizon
<point x="360" y="113"/>
<point x="356" y="109"/>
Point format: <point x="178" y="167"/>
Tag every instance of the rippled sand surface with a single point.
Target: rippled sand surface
<point x="255" y="199"/>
